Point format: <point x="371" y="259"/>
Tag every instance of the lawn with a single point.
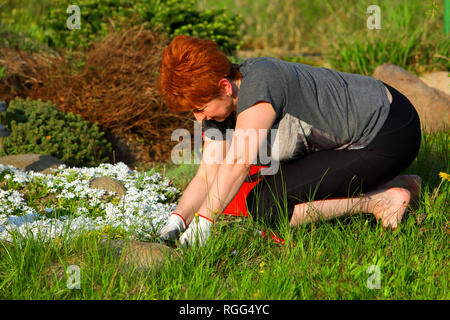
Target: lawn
<point x="346" y="258"/>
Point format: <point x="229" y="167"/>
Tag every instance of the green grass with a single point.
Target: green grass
<point x="20" y="24"/>
<point x="323" y="32"/>
<point x="407" y="38"/>
<point x="324" y="260"/>
<point x="335" y="34"/>
<point x="181" y="174"/>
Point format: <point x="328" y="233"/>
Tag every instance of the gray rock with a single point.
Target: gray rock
<point x="4" y="132"/>
<point x="109" y="184"/>
<point x="433" y="106"/>
<point x="3" y="107"/>
<point x="141" y="256"/>
<point x="32" y="162"/>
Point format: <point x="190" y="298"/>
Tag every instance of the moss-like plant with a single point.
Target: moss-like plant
<point x="38" y="127"/>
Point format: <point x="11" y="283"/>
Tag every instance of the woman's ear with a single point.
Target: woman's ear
<point x="225" y="86"/>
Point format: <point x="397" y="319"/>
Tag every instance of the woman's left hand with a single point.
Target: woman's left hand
<point x="198" y="232"/>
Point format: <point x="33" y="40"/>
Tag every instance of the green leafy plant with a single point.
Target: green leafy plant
<point x="171" y="16"/>
<point x="2" y="72"/>
<point x="183" y="17"/>
<point x="95" y="18"/>
<point x="38" y="127"/>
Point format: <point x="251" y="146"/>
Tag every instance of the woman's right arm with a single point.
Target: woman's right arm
<point x="195" y="193"/>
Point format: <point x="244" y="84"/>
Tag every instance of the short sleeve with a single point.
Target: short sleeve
<point x="262" y="81"/>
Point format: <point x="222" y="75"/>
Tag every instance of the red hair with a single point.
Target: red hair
<point x="190" y="71"/>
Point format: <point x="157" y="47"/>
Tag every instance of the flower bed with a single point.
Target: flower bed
<point x="62" y="205"/>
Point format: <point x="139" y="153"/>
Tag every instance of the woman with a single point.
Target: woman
<point x="340" y="135"/>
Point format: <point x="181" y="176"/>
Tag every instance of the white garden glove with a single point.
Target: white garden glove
<point x="171" y="231"/>
<point x="197" y="232"/>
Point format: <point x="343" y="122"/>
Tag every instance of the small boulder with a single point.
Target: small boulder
<point x="141" y="256"/>
<point x="32" y="162"/>
<point x="439" y="80"/>
<point x="433" y="106"/>
<point x="109" y="184"/>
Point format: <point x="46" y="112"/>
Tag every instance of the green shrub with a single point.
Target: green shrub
<point x="172" y="16"/>
<point x="182" y="17"/>
<point x="38" y="127"/>
<point x="95" y="19"/>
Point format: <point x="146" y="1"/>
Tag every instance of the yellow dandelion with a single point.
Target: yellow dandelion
<point x="261" y="267"/>
<point x="444" y="176"/>
<point x="196" y="216"/>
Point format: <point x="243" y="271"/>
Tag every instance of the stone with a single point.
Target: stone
<point x="141" y="256"/>
<point x="439" y="80"/>
<point x="32" y="162"/>
<point x="432" y="105"/>
<point x="128" y="256"/>
<point x="4" y="132"/>
<point x="108" y="184"/>
<point x="3" y="107"/>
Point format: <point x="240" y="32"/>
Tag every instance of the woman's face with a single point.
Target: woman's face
<point x="217" y="109"/>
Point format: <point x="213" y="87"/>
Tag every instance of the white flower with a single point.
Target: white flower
<point x="137" y="211"/>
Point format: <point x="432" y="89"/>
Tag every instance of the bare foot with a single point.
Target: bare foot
<point x="389" y="205"/>
<point x="408" y="181"/>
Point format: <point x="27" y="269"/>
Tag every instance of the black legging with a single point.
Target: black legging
<point x="341" y="173"/>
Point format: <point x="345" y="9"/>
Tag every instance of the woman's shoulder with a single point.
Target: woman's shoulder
<point x="259" y="64"/>
<point x="262" y="71"/>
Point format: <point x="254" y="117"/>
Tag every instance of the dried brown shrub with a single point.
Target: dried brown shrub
<point x="23" y="71"/>
<point x="116" y="87"/>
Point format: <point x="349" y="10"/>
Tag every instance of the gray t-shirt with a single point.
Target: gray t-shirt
<point x="317" y="108"/>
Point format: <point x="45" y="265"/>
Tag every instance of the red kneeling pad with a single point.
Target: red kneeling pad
<point x="237" y="206"/>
